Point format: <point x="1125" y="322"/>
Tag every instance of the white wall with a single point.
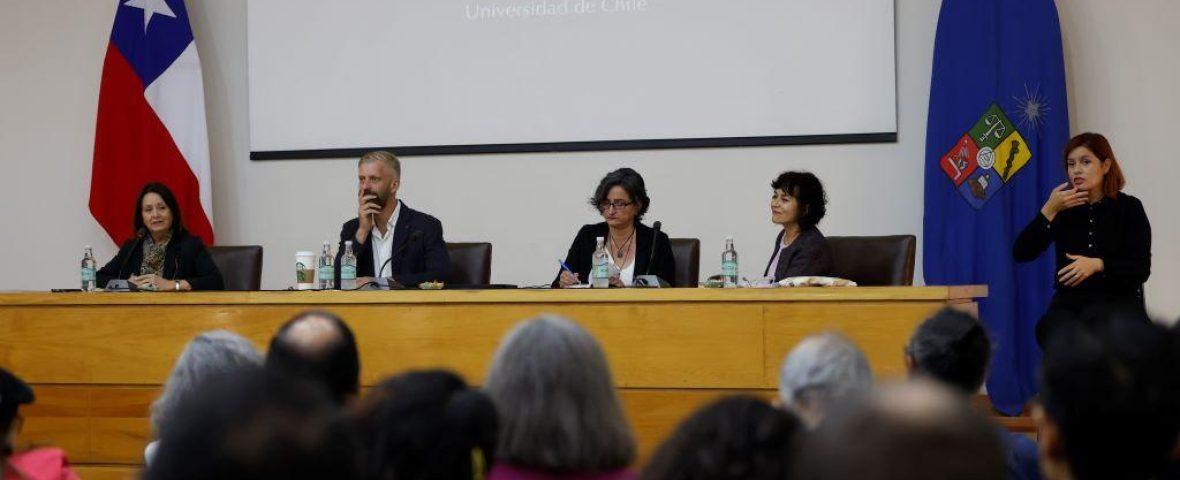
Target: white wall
<point x="1122" y="71"/>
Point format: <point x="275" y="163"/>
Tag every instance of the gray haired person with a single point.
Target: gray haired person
<point x="558" y="408"/>
<point x="210" y="355"/>
<point x="821" y="370"/>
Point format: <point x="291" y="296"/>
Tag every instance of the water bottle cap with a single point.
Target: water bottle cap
<point x="86" y="247"/>
<point x="348" y="242"/>
<point x="729" y="238"/>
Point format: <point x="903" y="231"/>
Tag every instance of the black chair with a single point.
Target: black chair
<point x="875" y="261"/>
<point x="688" y="262"/>
<point x="471" y="263"/>
<point x="241" y="266"/>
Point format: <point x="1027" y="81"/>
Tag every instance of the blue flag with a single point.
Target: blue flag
<point x="997" y="125"/>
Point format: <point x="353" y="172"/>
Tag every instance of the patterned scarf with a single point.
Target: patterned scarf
<point x="153" y="257"/>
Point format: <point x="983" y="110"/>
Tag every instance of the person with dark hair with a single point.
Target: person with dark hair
<point x="34" y="464"/>
<point x="390" y="239"/>
<point x="257" y="424"/>
<point x="953" y="348"/>
<point x="798" y="204"/>
<point x="621" y="198"/>
<point x="738" y="438"/>
<point x="913" y="431"/>
<point x="560" y="416"/>
<point x="318" y="346"/>
<point x="1102" y="236"/>
<point x="1110" y="402"/>
<point x="162" y="256"/>
<point x="427" y="425"/>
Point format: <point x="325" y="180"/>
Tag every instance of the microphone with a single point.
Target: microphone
<point x="649" y="280"/>
<point x="654" y="239"/>
<point x="414" y="236"/>
<point x="139" y="234"/>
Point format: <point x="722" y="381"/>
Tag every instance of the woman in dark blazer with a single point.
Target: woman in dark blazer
<point x="798" y="204"/>
<point x="621" y="198"/>
<point x="1102" y="236"/>
<point x="163" y="256"/>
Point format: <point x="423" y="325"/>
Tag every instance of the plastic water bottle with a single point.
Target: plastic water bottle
<point x="325" y="272"/>
<point x="600" y="272"/>
<point x="729" y="263"/>
<point x="89" y="270"/>
<point x="348" y="268"/>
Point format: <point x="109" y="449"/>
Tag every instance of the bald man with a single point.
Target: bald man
<point x="320" y="347"/>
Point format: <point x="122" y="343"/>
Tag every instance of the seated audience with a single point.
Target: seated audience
<point x="559" y="414"/>
<point x="318" y="346"/>
<point x="952" y="347"/>
<point x="820" y="371"/>
<point x="427" y="425"/>
<point x="257" y="424"/>
<point x="797" y="205"/>
<point x="1110" y="401"/>
<point x="40" y="463"/>
<point x="915" y="431"/>
<point x="209" y="356"/>
<point x="738" y="438"/>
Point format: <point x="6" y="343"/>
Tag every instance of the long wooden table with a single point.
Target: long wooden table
<point x="97" y="360"/>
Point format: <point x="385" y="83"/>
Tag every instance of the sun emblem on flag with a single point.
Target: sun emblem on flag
<point x="1031" y="107"/>
<point x="990" y="154"/>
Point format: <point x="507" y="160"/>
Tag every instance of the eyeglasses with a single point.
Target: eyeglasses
<point x="618" y="204"/>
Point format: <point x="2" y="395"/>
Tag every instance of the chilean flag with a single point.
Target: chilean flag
<point x="151" y="119"/>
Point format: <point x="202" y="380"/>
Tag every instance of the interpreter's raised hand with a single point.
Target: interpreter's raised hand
<point x="1082" y="268"/>
<point x="1063" y="198"/>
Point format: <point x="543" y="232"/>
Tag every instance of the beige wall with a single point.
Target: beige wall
<point x="1122" y="72"/>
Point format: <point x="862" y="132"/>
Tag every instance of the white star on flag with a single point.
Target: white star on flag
<point x="151" y="7"/>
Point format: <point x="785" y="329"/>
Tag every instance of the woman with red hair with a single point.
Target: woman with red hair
<point x="1102" y="236"/>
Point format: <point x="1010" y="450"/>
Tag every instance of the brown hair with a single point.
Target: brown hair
<point x="1114" y="181"/>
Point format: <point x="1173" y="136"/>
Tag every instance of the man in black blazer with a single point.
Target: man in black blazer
<point x="389" y="239"/>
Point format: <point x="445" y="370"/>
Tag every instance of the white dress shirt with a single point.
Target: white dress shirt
<point x="383" y="244"/>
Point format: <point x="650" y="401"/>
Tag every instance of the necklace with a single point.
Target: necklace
<point x="620" y="250"/>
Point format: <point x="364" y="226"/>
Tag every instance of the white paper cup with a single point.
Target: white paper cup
<point x="305" y="270"/>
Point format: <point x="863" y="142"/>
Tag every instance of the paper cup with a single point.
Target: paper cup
<point x="305" y="270"/>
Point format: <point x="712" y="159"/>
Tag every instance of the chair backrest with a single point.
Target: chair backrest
<point x="875" y="261"/>
<point x="471" y="263"/>
<point x="240" y="265"/>
<point x="688" y="262"/>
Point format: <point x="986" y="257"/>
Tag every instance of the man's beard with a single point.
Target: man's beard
<point x="381" y="200"/>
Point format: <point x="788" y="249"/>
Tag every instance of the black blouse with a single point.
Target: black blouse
<point x="581" y="252"/>
<point x="1115" y="230"/>
<point x="185" y="258"/>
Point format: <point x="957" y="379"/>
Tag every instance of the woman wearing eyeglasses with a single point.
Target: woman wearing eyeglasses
<point x="621" y="199"/>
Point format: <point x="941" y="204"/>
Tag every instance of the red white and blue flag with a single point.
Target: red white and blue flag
<point x="151" y="119"/>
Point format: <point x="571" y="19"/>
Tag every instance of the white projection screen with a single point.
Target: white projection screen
<point x="470" y="76"/>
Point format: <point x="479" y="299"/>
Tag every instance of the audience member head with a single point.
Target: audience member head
<point x="210" y="355"/>
<point x="916" y="431"/>
<point x="820" y="371"/>
<point x="427" y="425"/>
<point x="14" y="392"/>
<point x="318" y="346"/>
<point x="1110" y="402"/>
<point x="739" y="438"/>
<point x="556" y="400"/>
<point x="951" y="347"/>
<point x="257" y="424"/>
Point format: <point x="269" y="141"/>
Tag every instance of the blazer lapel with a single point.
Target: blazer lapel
<point x="401" y="235"/>
<point x="643" y="243"/>
<point x="778" y="244"/>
